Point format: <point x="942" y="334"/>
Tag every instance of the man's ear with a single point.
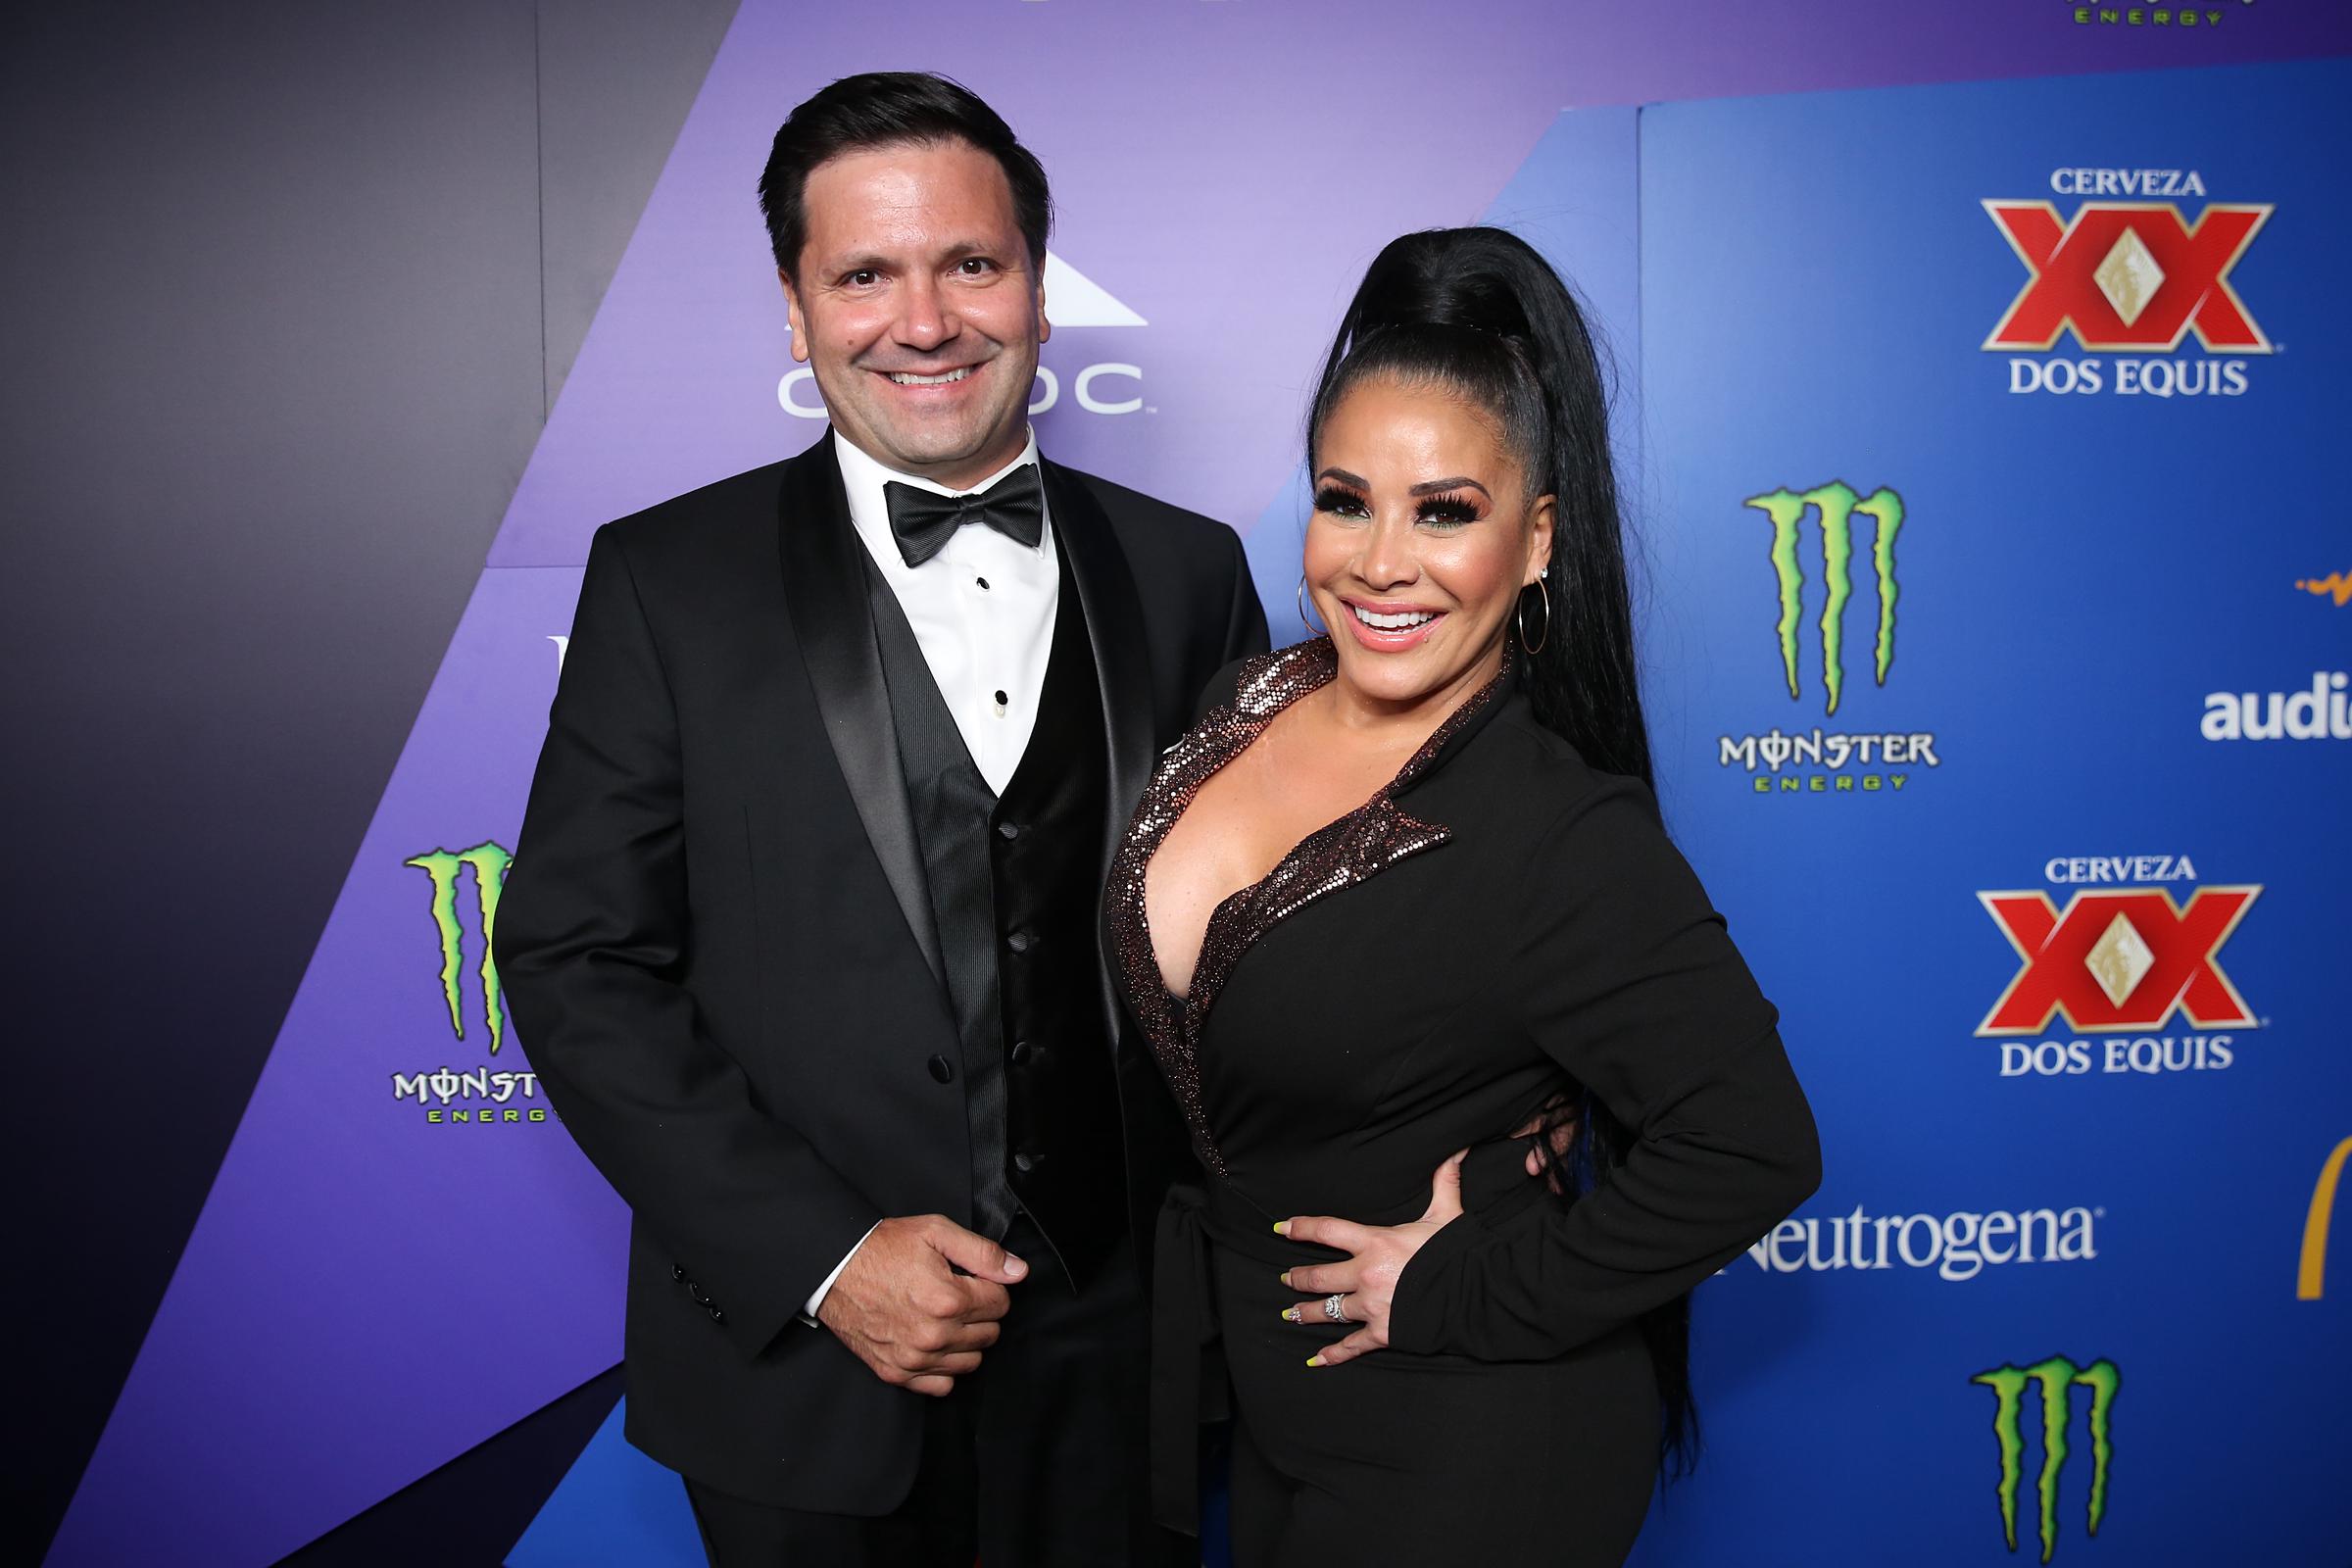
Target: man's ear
<point x="1540" y="518"/>
<point x="1045" y="326"/>
<point x="792" y="311"/>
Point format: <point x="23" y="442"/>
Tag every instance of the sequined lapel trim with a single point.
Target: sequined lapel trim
<point x="1351" y="850"/>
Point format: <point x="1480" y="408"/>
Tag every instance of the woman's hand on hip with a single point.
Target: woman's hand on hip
<point x="1364" y="1283"/>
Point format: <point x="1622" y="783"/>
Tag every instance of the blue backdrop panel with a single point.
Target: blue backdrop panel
<point x="614" y="1506"/>
<point x="2099" y="1192"/>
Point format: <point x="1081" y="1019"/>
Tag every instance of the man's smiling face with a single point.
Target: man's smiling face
<point x="919" y="309"/>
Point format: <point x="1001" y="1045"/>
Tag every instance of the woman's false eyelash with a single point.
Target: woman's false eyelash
<point x="1452" y="508"/>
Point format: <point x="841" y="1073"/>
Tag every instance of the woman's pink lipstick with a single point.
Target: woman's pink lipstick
<point x="1382" y="641"/>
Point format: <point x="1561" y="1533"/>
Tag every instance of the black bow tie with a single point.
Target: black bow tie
<point x="925" y="520"/>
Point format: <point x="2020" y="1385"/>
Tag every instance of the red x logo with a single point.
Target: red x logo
<point x="2165" y="277"/>
<point x="2105" y="976"/>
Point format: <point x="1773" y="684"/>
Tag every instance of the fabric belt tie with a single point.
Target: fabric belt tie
<point x="1189" y="1385"/>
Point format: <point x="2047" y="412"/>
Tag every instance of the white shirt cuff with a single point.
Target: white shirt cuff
<point x="809" y="1313"/>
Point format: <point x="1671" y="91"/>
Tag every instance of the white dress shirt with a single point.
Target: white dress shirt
<point x="982" y="611"/>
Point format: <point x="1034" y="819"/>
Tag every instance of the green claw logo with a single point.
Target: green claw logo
<point x="2057" y="1377"/>
<point x="1836" y="503"/>
<point x="489" y="862"/>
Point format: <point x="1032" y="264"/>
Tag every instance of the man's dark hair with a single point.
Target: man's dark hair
<point x="885" y="109"/>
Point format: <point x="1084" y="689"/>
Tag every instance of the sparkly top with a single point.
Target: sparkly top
<point x="1339" y="854"/>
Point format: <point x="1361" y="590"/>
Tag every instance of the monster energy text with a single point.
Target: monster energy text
<point x="2056" y="1377"/>
<point x="455" y="1089"/>
<point x="1883" y="761"/>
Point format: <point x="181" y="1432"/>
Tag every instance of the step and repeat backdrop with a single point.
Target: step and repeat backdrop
<point x="1982" y="439"/>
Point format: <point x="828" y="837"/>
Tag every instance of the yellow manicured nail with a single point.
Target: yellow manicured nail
<point x="1314" y="1361"/>
<point x="1282" y="1227"/>
<point x="1286" y="1279"/>
<point x="1289" y="1314"/>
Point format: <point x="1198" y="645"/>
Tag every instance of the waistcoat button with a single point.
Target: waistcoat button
<point x="942" y="1070"/>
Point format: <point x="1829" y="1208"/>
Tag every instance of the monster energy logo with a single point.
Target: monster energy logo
<point x="1836" y="503"/>
<point x="489" y="862"/>
<point x="2057" y="1376"/>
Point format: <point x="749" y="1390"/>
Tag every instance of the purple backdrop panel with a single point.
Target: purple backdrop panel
<point x="403" y="1253"/>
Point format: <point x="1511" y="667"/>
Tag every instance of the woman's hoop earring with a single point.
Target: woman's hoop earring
<point x="1301" y="596"/>
<point x="1537" y="645"/>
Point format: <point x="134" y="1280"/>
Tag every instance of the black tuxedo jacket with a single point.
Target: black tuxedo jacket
<point x="718" y="948"/>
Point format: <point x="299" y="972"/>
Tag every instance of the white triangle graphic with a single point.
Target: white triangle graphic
<point x="1074" y="299"/>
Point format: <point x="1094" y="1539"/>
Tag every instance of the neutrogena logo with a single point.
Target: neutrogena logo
<point x="1073" y="300"/>
<point x="2056" y="1379"/>
<point x="1958" y="1246"/>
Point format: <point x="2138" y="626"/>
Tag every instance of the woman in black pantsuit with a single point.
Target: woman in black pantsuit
<point x="1401" y="903"/>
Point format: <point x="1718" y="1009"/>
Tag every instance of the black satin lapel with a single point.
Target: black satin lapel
<point x="824" y="583"/>
<point x="1114" y="625"/>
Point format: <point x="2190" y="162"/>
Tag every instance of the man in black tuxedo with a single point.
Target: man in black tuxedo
<point x="802" y="931"/>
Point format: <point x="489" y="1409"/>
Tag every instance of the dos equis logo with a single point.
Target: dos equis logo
<point x="2124" y="958"/>
<point x="2132" y="278"/>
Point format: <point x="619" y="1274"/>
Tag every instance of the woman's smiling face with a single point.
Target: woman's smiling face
<point x="1422" y="537"/>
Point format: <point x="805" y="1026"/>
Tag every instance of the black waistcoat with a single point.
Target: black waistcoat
<point x="1015" y="885"/>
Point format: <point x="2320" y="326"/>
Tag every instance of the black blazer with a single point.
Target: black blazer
<point x="720" y="953"/>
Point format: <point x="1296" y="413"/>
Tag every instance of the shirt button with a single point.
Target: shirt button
<point x="1008" y="831"/>
<point x="1003" y="702"/>
<point x="982" y="583"/>
<point x="1018" y="942"/>
<point x="940" y="1069"/>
